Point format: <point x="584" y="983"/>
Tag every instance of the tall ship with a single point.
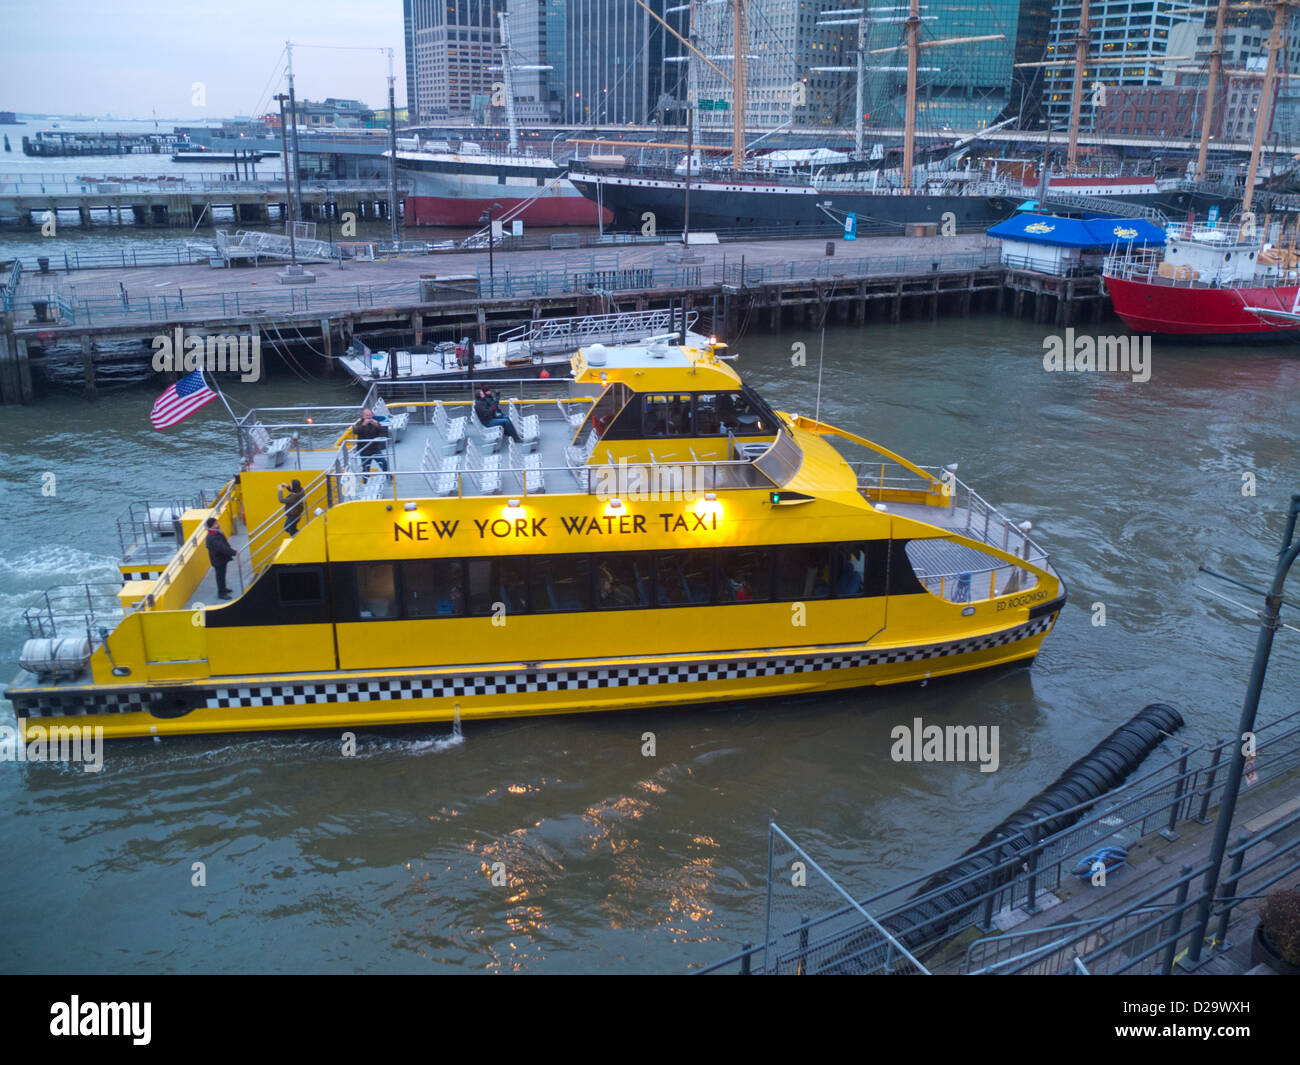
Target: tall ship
<point x="657" y="536"/>
<point x="1222" y="280"/>
<point x="460" y="187"/>
<point x="780" y="190"/>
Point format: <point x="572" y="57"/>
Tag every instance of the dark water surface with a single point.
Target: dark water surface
<point x="616" y="861"/>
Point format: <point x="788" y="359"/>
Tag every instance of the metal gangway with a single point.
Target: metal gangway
<point x="1111" y="205"/>
<point x="544" y="335"/>
<point x="251" y="245"/>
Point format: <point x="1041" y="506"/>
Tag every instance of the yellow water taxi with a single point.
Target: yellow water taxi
<point x="646" y="533"/>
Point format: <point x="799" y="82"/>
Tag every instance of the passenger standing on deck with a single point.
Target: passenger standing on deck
<point x="220" y="553"/>
<point x="372" y="442"/>
<point x="293" y="497"/>
<point x="489" y="413"/>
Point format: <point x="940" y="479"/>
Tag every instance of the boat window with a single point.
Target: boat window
<point x="433" y="589"/>
<point x="377" y="590"/>
<point x="850" y="569"/>
<point x="298" y="585"/>
<point x="622" y="581"/>
<point x="560" y="583"/>
<point x="745" y="575"/>
<point x="683" y="578"/>
<point x="803" y="572"/>
<point x="605" y="418"/>
<point x="494" y="581"/>
<point x="730" y="412"/>
<point x="667" y="415"/>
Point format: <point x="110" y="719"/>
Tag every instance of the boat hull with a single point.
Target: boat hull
<point x="457" y="190"/>
<point x="398" y="697"/>
<point x="722" y="205"/>
<point x="734" y="206"/>
<point x="1202" y="312"/>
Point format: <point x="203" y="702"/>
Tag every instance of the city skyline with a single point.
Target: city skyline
<point x="137" y="64"/>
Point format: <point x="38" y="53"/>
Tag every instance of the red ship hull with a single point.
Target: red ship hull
<point x="571" y="210"/>
<point x="1203" y="312"/>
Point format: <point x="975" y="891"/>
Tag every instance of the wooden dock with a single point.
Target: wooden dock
<point x="183" y="204"/>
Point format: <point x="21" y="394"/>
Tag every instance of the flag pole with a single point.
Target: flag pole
<point x="225" y="403"/>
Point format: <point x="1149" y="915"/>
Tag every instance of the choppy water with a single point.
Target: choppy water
<point x="616" y="861"/>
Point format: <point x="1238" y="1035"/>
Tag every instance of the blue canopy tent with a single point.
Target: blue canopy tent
<point x="1056" y="245"/>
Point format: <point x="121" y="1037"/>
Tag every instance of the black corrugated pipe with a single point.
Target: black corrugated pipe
<point x="1105" y="767"/>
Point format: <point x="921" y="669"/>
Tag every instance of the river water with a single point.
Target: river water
<point x="615" y="861"/>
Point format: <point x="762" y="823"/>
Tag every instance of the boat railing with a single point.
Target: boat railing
<point x="977" y="519"/>
<point x="545" y="334"/>
<point x="186" y="551"/>
<point x="147" y="532"/>
<point x="72" y="610"/>
<point x="617" y="483"/>
<point x="989" y="525"/>
<point x="265" y="540"/>
<point x="397" y="393"/>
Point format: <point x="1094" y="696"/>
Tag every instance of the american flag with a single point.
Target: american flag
<point x="181" y="400"/>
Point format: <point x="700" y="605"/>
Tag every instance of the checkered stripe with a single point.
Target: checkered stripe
<point x="79" y="704"/>
<point x="517" y="683"/>
<point x="54" y="703"/>
<point x="143" y="575"/>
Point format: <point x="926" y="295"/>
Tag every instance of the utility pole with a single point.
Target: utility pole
<point x="1269" y="623"/>
<point x="293" y="137"/>
<point x="392" y="148"/>
<point x="288" y="190"/>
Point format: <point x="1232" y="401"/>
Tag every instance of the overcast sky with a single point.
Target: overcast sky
<point x="132" y="57"/>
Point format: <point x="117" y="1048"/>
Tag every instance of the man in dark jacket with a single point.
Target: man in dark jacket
<point x="489" y="412"/>
<point x="372" y="442"/>
<point x="292" y="496"/>
<point x="220" y="553"/>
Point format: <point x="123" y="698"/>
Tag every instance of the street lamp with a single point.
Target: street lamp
<point x="486" y="216"/>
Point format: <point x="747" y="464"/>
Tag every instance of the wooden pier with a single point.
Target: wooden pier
<point x="183" y="204"/>
<point x="773" y="285"/>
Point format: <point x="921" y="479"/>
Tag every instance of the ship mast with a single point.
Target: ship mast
<point x="1076" y="95"/>
<point x="1216" y="64"/>
<point x="740" y="50"/>
<point x="1264" y="119"/>
<point x="738" y="123"/>
<point x="508" y="84"/>
<point x="909" y="114"/>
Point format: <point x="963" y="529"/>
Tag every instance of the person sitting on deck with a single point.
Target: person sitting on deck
<point x="488" y="411"/>
<point x="293" y="497"/>
<point x="373" y="442"/>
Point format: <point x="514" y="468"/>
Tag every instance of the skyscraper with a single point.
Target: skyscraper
<point x="1128" y="44"/>
<point x="454" y="46"/>
<point x="408" y="35"/>
<point x="613" y="61"/>
<point x="537" y="39"/>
